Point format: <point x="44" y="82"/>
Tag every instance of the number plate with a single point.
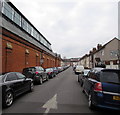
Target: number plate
<point x="116" y="97"/>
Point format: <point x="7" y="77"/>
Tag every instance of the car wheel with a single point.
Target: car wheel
<point x="31" y="86"/>
<point x="41" y="81"/>
<point x="54" y="75"/>
<point x="81" y="84"/>
<point x="78" y="79"/>
<point x="8" y="99"/>
<point x="90" y="102"/>
<point x="47" y="77"/>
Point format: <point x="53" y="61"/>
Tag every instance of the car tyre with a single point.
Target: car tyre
<point x="78" y="79"/>
<point x="8" y="99"/>
<point x="81" y="84"/>
<point x="90" y="102"/>
<point x="31" y="86"/>
<point x="41" y="81"/>
<point x="47" y="77"/>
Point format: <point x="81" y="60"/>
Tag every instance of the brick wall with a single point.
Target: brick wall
<point x="18" y="54"/>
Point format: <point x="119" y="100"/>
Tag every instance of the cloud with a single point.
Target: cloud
<point x="72" y="26"/>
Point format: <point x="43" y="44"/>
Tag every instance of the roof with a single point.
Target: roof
<point x="106" y="44"/>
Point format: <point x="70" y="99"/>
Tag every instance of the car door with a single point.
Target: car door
<point x="13" y="83"/>
<point x="89" y="81"/>
<point x="25" y="84"/>
<point x="43" y="73"/>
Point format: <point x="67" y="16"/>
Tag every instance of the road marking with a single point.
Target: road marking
<point x="50" y="104"/>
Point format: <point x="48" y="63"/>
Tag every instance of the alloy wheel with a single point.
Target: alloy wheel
<point x="8" y="99"/>
<point x="90" y="104"/>
<point x="41" y="81"/>
<point x="31" y="86"/>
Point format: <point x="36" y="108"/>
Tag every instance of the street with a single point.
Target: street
<point x="61" y="94"/>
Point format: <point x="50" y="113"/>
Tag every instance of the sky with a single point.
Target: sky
<point x="73" y="27"/>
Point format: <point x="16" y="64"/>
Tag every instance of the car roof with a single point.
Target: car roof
<point x="98" y="69"/>
<point x="32" y="67"/>
<point x="116" y="70"/>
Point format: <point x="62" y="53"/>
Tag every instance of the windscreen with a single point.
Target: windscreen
<point x="86" y="72"/>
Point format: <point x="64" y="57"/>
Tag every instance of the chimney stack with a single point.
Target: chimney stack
<point x="99" y="46"/>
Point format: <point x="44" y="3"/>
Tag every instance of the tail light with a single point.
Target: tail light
<point x="36" y="72"/>
<point x="49" y="72"/>
<point x="98" y="86"/>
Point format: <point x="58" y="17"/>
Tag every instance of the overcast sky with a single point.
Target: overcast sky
<point x="73" y="27"/>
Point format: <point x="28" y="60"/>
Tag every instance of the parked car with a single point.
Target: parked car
<point x="82" y="76"/>
<point x="79" y="69"/>
<point x="74" y="67"/>
<point x="103" y="88"/>
<point x="38" y="74"/>
<point x="66" y="67"/>
<point x="60" y="69"/>
<point x="13" y="84"/>
<point x="55" y="69"/>
<point x="50" y="72"/>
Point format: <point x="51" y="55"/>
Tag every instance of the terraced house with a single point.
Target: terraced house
<point x="22" y="44"/>
<point x="107" y="54"/>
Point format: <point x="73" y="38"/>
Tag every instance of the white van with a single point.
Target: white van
<point x="79" y="69"/>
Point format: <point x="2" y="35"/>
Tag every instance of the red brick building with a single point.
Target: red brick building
<point x="22" y="44"/>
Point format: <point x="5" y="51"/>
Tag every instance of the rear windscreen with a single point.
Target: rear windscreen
<point x="110" y="77"/>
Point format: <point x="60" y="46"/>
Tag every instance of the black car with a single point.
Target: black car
<point x="13" y="84"/>
<point x="38" y="74"/>
<point x="103" y="88"/>
<point x="55" y="69"/>
<point x="82" y="76"/>
<point x="50" y="72"/>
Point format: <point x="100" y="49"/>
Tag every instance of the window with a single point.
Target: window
<point x="20" y="76"/>
<point x="41" y="69"/>
<point x="29" y="29"/>
<point x="11" y="77"/>
<point x="17" y="18"/>
<point x="110" y="77"/>
<point x="102" y="52"/>
<point x="8" y="11"/>
<point x="37" y="36"/>
<point x="34" y="33"/>
<point x="24" y="24"/>
<point x="92" y="75"/>
<point x="32" y="69"/>
<point x="42" y="40"/>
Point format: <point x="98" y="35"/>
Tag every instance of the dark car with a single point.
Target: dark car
<point x="50" y="72"/>
<point x="13" y="84"/>
<point x="103" y="88"/>
<point x="38" y="74"/>
<point x="82" y="76"/>
<point x="60" y="69"/>
<point x="55" y="69"/>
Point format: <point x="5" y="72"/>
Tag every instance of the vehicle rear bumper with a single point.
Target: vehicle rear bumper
<point x="100" y="102"/>
<point x="108" y="107"/>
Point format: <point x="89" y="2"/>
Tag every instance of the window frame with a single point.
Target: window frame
<point x="10" y="80"/>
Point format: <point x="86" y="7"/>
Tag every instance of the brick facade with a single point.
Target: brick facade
<point x="18" y="54"/>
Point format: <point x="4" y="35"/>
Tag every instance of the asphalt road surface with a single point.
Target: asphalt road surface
<point x="61" y="94"/>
